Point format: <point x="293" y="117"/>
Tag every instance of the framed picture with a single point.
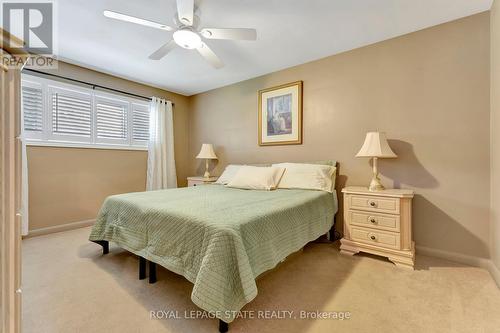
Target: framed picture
<point x="280" y="115"/>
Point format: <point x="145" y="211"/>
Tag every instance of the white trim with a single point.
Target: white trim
<point x="62" y="144"/>
<point x="495" y="272"/>
<point x="485" y="263"/>
<point x="59" y="228"/>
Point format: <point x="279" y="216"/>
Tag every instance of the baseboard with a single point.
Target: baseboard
<point x="462" y="259"/>
<point x="59" y="228"/>
<point x="495" y="272"/>
<point x="426" y="251"/>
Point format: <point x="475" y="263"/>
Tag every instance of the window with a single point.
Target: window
<point x="32" y="105"/>
<point x="61" y="114"/>
<point x="111" y="121"/>
<point x="70" y="115"/>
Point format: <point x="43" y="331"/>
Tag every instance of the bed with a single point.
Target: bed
<point x="220" y="239"/>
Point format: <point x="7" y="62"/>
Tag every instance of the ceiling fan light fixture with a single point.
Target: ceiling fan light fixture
<point x="187" y="39"/>
<point x="206" y="33"/>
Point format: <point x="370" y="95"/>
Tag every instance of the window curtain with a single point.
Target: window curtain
<point x="161" y="161"/>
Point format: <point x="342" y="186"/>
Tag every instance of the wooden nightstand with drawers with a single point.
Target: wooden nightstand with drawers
<point x="379" y="223"/>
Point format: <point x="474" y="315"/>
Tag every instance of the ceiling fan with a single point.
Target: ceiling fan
<point x="186" y="32"/>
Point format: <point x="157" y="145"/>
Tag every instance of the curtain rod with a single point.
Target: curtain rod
<point x="93" y="85"/>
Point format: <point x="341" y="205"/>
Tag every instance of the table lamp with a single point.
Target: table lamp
<point x="207" y="152"/>
<point x="376" y="146"/>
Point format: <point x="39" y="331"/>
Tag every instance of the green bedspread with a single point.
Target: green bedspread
<point x="219" y="238"/>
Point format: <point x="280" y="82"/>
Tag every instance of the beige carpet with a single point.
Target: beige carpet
<point x="70" y="287"/>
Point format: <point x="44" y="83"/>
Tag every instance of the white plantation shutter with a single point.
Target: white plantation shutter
<point x="111" y="121"/>
<point x="140" y="124"/>
<point x="71" y="115"/>
<point x="63" y="114"/>
<point x="32" y="107"/>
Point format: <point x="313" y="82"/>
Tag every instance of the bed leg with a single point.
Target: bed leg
<point x="223" y="326"/>
<point x="333" y="235"/>
<point x="142" y="268"/>
<point x="104" y="244"/>
<point x="152" y="272"/>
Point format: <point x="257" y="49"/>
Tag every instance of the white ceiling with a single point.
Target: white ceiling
<point x="290" y="32"/>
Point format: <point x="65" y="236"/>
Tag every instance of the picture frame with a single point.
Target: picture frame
<point x="280" y="115"/>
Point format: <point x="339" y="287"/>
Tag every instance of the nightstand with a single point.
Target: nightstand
<point x="379" y="223"/>
<point x="195" y="181"/>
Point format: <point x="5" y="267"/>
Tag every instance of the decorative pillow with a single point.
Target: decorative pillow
<point x="257" y="178"/>
<point x="307" y="176"/>
<point x="228" y="174"/>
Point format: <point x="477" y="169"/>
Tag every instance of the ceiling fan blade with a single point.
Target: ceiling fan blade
<point x="163" y="51"/>
<point x="229" y="33"/>
<point x="136" y="20"/>
<point x="185" y="11"/>
<point x="210" y="56"/>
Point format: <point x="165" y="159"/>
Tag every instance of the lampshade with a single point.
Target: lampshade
<point x="376" y="145"/>
<point x="207" y="151"/>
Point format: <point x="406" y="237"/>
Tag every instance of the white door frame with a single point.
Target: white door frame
<point x="10" y="191"/>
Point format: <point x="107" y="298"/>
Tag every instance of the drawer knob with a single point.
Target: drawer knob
<point x="372" y="220"/>
<point x="372" y="203"/>
<point x="373" y="237"/>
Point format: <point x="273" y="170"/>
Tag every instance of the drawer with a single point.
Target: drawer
<point x="374" y="220"/>
<point x="374" y="204"/>
<point x="386" y="239"/>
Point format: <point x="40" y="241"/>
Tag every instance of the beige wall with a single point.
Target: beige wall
<point x="428" y="90"/>
<point x="495" y="133"/>
<point x="69" y="184"/>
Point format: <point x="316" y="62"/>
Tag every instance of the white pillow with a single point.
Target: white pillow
<point x="228" y="174"/>
<point x="257" y="178"/>
<point x="307" y="176"/>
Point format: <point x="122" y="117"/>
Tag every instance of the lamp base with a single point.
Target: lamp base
<point x="376" y="185"/>
<point x="206" y="175"/>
